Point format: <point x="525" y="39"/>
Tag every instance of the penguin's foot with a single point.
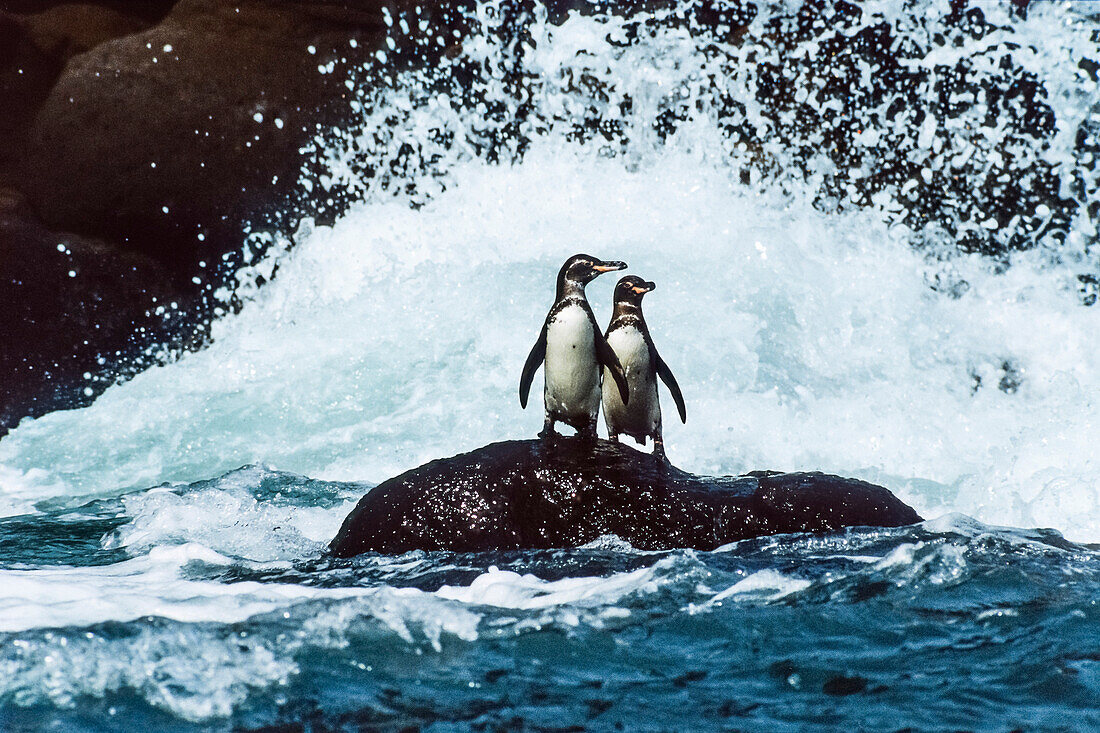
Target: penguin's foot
<point x="659" y="451"/>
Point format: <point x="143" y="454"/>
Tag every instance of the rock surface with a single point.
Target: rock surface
<point x="154" y="132"/>
<point x="104" y="302"/>
<point x="565" y="493"/>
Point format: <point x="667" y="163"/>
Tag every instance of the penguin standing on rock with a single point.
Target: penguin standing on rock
<point x="629" y="338"/>
<point x="575" y="353"/>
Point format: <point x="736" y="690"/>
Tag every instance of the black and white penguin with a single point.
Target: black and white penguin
<point x="574" y="351"/>
<point x="628" y="336"/>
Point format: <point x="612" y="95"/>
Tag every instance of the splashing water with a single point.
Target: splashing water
<point x="873" y="244"/>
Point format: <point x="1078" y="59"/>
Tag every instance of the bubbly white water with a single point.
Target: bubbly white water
<point x="802" y="341"/>
<point x="150" y="585"/>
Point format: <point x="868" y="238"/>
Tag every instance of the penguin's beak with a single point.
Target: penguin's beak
<point x="643" y="289"/>
<point x="609" y="266"/>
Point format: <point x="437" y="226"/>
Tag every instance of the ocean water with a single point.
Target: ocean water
<point x="911" y="307"/>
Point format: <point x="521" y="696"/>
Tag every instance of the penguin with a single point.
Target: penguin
<point x="628" y="336"/>
<point x="575" y="353"/>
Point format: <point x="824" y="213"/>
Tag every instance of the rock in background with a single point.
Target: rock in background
<point x="141" y="139"/>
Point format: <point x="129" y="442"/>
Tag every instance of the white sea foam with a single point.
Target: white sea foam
<point x="407" y="612"/>
<point x="198" y="671"/>
<point x="20" y="488"/>
<point x="151" y="585"/>
<point x="201" y="671"/>
<point x="801" y="340"/>
<point x="161" y="584"/>
<point x="233" y="523"/>
<point x="194" y="672"/>
<point x="924" y="562"/>
<point x="767" y="584"/>
<point x="569" y="602"/>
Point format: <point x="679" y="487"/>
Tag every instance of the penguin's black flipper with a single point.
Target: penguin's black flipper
<point x="534" y="361"/>
<point x="606" y="356"/>
<point x="670" y="381"/>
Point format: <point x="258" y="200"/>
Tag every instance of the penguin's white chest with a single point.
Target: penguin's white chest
<point x="643" y="414"/>
<point x="572" y="372"/>
<point x="633" y="352"/>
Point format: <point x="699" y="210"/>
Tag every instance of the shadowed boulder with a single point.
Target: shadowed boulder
<point x="161" y="133"/>
<point x="531" y="494"/>
<point x="102" y="302"/>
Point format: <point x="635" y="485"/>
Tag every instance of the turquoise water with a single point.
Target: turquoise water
<point x="903" y="330"/>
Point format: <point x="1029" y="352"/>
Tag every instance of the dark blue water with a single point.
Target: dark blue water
<point x="946" y="625"/>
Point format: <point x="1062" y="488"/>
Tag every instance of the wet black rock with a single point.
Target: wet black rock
<point x="565" y="493"/>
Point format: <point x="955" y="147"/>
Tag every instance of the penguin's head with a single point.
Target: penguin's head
<point x="631" y="288"/>
<point x="584" y="269"/>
